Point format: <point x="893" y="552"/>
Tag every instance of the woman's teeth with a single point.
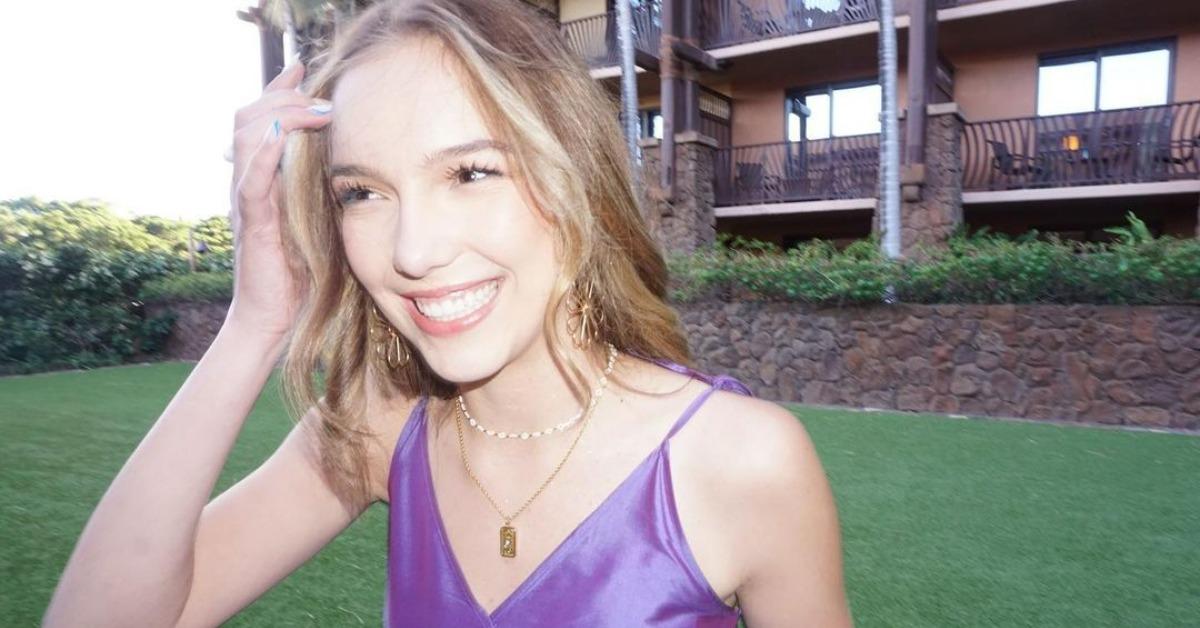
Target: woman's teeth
<point x="457" y="304"/>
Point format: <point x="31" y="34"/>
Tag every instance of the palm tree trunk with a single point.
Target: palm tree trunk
<point x="629" y="98"/>
<point x="889" y="145"/>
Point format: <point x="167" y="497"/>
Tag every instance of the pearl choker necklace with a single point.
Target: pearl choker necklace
<point x="462" y="405"/>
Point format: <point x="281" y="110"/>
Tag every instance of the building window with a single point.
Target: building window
<point x="1113" y="77"/>
<point x="835" y="110"/>
<point x="650" y="123"/>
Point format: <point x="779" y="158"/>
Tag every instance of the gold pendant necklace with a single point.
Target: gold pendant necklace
<point x="508" y="533"/>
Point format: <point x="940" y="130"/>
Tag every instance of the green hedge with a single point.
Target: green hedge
<point x="1135" y="268"/>
<point x="74" y="307"/>
<point x="209" y="286"/>
<point x="72" y="277"/>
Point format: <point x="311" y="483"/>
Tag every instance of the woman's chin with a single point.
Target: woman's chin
<point x="463" y="367"/>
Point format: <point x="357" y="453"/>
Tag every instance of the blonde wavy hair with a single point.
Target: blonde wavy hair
<point x="569" y="156"/>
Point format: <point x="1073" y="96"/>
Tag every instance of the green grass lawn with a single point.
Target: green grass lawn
<point x="945" y="522"/>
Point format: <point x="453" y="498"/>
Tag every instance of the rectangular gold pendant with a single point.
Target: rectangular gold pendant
<point x="508" y="541"/>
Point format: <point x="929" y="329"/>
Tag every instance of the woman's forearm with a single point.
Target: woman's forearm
<point x="133" y="562"/>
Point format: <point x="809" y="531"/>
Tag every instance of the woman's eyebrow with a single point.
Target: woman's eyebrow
<point x="460" y="150"/>
<point x="353" y="170"/>
<point x="442" y="154"/>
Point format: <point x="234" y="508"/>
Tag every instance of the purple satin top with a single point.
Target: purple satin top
<point x="626" y="564"/>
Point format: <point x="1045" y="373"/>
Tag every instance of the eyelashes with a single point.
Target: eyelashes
<point x="344" y="193"/>
<point x="461" y="174"/>
<point x="455" y="173"/>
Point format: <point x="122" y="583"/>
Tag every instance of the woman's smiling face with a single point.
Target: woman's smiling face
<point x="434" y="225"/>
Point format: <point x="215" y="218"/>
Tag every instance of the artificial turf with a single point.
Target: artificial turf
<point x="945" y="521"/>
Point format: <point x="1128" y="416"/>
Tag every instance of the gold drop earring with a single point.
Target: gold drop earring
<point x="584" y="316"/>
<point x="390" y="348"/>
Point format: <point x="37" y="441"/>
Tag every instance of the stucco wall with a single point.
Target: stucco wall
<point x="996" y="56"/>
<point x="575" y="9"/>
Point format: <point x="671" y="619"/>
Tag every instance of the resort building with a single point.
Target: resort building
<point x="1055" y="115"/>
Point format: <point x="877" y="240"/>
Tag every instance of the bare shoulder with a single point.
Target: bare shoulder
<point x="386" y="416"/>
<point x="761" y="438"/>
<point x="785" y="534"/>
<point x="767" y="456"/>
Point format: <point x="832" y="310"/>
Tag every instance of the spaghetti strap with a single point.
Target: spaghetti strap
<point x="649" y="575"/>
<point x="417" y="413"/>
<point x="718" y="382"/>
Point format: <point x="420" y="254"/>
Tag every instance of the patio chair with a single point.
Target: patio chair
<point x="1167" y="156"/>
<point x="1013" y="164"/>
<point x="853" y="172"/>
<point x="748" y="185"/>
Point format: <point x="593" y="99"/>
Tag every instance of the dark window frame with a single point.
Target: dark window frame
<point x="793" y="94"/>
<point x="1096" y="53"/>
<point x="646" y="121"/>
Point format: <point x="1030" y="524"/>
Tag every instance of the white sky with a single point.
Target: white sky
<point x="130" y="102"/>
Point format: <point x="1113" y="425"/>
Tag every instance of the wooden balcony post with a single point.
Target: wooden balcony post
<point x="922" y="64"/>
<point x="689" y="74"/>
<point x="270" y="42"/>
<point x="668" y="70"/>
<point x="681" y="212"/>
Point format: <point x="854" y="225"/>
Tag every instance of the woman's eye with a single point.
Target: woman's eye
<point x="470" y="174"/>
<point x="353" y="193"/>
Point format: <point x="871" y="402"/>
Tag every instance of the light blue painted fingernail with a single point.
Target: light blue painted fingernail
<point x="321" y="107"/>
<point x="273" y="131"/>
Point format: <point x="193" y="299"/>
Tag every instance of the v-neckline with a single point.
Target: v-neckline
<point x="555" y="554"/>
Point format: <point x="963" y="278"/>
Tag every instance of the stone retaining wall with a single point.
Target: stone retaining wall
<point x="196" y="326"/>
<point x="1109" y="364"/>
<point x="1137" y="365"/>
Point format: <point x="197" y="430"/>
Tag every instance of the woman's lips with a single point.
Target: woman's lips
<point x="435" y="327"/>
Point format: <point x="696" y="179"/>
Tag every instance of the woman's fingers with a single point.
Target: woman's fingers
<point x="279" y="92"/>
<point x="268" y="101"/>
<point x="248" y="138"/>
<point x="254" y="185"/>
<point x="288" y="78"/>
<point x="266" y="294"/>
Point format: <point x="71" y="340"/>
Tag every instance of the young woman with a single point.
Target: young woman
<point x="457" y="250"/>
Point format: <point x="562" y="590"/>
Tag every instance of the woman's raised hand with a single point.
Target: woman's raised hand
<point x="266" y="289"/>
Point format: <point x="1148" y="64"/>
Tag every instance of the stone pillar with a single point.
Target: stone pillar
<point x="931" y="192"/>
<point x="686" y="222"/>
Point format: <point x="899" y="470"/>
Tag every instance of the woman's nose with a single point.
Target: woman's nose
<point x="425" y="237"/>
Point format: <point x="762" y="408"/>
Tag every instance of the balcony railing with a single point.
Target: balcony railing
<point x="835" y="168"/>
<point x="729" y="22"/>
<point x="595" y="38"/>
<point x="1136" y="145"/>
<point x="716" y="114"/>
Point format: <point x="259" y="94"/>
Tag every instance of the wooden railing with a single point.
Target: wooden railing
<point x="716" y="116"/>
<point x="728" y="22"/>
<point x="836" y="168"/>
<point x="1135" y="145"/>
<point x="595" y="38"/>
